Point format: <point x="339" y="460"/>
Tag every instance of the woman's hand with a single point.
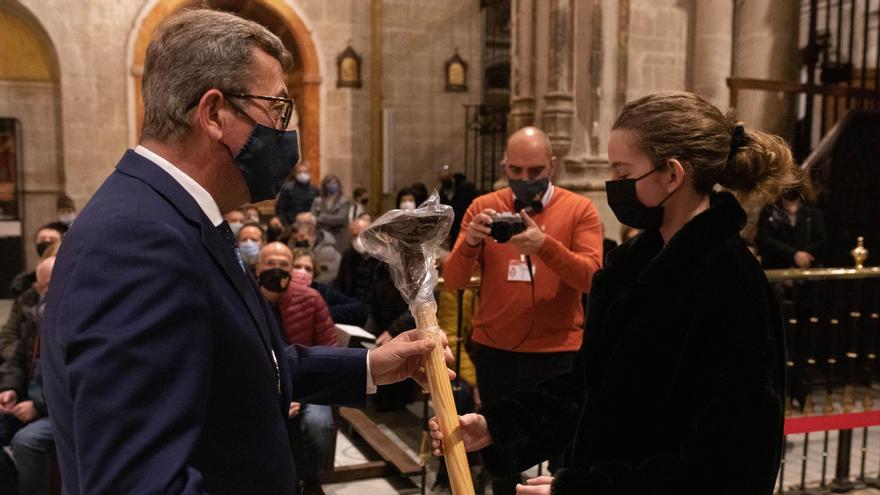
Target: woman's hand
<point x="474" y="433"/>
<point x="535" y="486"/>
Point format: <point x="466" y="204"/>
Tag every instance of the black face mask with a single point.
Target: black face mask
<point x="625" y="204"/>
<point x="42" y="247"/>
<point x="266" y="159"/>
<point x="302" y="244"/>
<point x="274" y="280"/>
<point x="528" y="193"/>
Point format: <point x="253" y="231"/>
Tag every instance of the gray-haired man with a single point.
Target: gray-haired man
<point x="163" y="365"/>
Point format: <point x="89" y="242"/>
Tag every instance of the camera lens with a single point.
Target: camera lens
<point x="502" y="231"/>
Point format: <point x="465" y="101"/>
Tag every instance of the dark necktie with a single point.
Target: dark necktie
<point x="227" y="234"/>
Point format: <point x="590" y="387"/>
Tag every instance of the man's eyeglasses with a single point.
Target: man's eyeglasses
<point x="281" y="107"/>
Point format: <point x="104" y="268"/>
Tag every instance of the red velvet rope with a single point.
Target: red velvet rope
<point x="845" y="421"/>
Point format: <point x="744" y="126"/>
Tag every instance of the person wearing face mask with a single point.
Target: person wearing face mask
<point x="252" y="214"/>
<point x="343" y="309"/>
<point x="332" y="211"/>
<point x="23" y="409"/>
<point x="297" y="195"/>
<point x="354" y="278"/>
<point x="46" y="236"/>
<point x="236" y="220"/>
<point x="529" y="321"/>
<point x="66" y="210"/>
<point x="304" y="319"/>
<point x="250" y="239"/>
<point x="180" y="381"/>
<point x="679" y="383"/>
<point x="322" y="244"/>
<point x="406" y="199"/>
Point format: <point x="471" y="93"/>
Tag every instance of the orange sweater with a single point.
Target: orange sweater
<point x="564" y="268"/>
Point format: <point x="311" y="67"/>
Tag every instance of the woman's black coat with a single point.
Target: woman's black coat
<point x="678" y="386"/>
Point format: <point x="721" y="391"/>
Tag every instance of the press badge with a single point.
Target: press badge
<point x="518" y="271"/>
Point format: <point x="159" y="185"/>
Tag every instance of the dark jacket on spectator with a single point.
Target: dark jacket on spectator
<point x="305" y="318"/>
<point x="678" y="386"/>
<point x="461" y="196"/>
<point x="388" y="311"/>
<point x="294" y="198"/>
<point x="343" y="309"/>
<point x="22" y="283"/>
<point x="21" y="371"/>
<point x="21" y="319"/>
<point x="355" y="275"/>
<point x="778" y="240"/>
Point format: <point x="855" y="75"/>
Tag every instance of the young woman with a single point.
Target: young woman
<point x="678" y="386"/>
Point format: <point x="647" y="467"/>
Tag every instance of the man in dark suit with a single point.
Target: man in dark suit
<point x="164" y="369"/>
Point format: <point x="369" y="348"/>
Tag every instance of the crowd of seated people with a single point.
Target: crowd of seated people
<point x="25" y="430"/>
<point x="311" y="268"/>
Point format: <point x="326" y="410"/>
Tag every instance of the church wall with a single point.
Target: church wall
<point x="419" y="35"/>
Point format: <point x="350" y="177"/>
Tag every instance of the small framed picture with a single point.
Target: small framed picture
<point x="456" y="74"/>
<point x="348" y="69"/>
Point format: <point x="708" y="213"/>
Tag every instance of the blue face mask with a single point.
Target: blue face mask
<point x="266" y="159"/>
<point x="250" y="251"/>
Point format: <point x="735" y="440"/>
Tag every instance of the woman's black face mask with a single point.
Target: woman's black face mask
<point x="625" y="204"/>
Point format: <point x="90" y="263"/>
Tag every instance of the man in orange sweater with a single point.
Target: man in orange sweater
<point x="528" y="327"/>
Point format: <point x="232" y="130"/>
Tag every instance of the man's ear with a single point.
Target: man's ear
<point x="676" y="174"/>
<point x="208" y="115"/>
<point x="552" y="167"/>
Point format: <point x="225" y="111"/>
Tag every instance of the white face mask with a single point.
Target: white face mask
<point x="67" y="218"/>
<point x="235" y="226"/>
<point x="407" y="205"/>
<point x="250" y="251"/>
<point x="302" y="177"/>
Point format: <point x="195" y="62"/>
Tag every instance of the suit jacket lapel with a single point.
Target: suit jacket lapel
<point x="222" y="254"/>
<point x="135" y="165"/>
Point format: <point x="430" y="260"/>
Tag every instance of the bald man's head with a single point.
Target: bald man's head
<point x="44" y="275"/>
<point x="274" y="255"/>
<point x="529" y="155"/>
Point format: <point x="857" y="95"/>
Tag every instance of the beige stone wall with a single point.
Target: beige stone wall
<point x="33" y="105"/>
<point x="658" y="46"/>
<point x="96" y="102"/>
<point x="418" y="37"/>
<point x="90" y="44"/>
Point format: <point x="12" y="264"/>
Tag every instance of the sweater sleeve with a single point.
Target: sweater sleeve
<point x="461" y="261"/>
<point x="577" y="265"/>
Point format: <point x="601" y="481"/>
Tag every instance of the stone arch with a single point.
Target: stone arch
<point x="30" y="94"/>
<point x="304" y="82"/>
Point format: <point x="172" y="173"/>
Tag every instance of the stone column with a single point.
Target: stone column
<point x="522" y="98"/>
<point x="558" y="113"/>
<point x="766" y="48"/>
<point x="712" y="44"/>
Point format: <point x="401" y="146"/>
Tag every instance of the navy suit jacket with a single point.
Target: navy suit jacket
<point x="156" y="352"/>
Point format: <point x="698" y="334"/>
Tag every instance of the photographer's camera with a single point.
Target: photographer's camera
<point x="506" y="225"/>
